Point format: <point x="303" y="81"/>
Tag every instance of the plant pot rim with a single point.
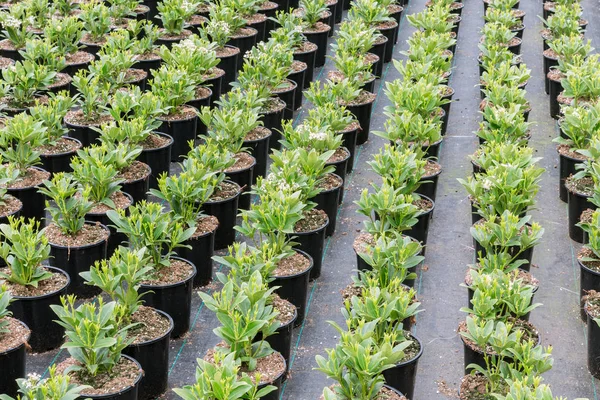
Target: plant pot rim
<point x="27" y="187"/>
<point x="160" y="118"/>
<point x="237" y="37"/>
<point x="46" y="295"/>
<point x="436" y="143"/>
<point x="171" y="140"/>
<point x="16" y="211"/>
<point x="591" y="271"/>
<point x="143" y="178"/>
<point x="184" y="34"/>
<point x="419" y="354"/>
<point x="449" y="94"/>
<point x="260" y="139"/>
<point x="206" y="234"/>
<point x="74" y="64"/>
<point x="348" y="155"/>
<point x="437" y="173"/>
<point x="126" y="195"/>
<point x="335" y="188"/>
<point x="18" y="346"/>
<point x="285" y="368"/>
<point x="291" y="321"/>
<point x="231" y="55"/>
<point x="239" y="171"/>
<point x="158" y="339"/>
<point x="281" y="102"/>
<point x="298" y="72"/>
<point x="432" y="205"/>
<point x="228" y="199"/>
<point x="306" y="233"/>
<point x="304" y="272"/>
<point x="294" y="86"/>
<point x="72" y="139"/>
<point x="308" y="51"/>
<point x="85" y="246"/>
<point x="110" y="395"/>
<point x="205" y="97"/>
<point x="170" y="285"/>
<point x="576" y="160"/>
<point x="86" y="126"/>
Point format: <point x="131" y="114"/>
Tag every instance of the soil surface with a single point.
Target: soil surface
<point x="54" y="283"/>
<point x="152" y="325"/>
<point x="291" y="265"/>
<point x="311" y="221"/>
<point x="177" y="271"/>
<point x="17" y="335"/>
<point x="89" y="234"/>
<point x="123" y="376"/>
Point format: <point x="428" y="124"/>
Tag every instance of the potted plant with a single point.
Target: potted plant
<point x="22" y="84"/>
<point x="348" y="93"/>
<point x="56" y="386"/>
<point x="135" y="122"/>
<point x="377" y="15"/>
<point x="57" y="150"/>
<point x="74" y="244"/>
<point x="174" y="88"/>
<point x="33" y="285"/>
<point x="95" y="342"/>
<point x="491" y="154"/>
<point x="145" y="49"/>
<point x="16" y="31"/>
<point x="14" y="335"/>
<point x="43" y="52"/>
<point x="313" y="29"/>
<point x="354" y="378"/>
<point x="97" y="24"/>
<point x="249" y="10"/>
<point x="120" y="278"/>
<point x="91" y="111"/>
<point x="20" y="139"/>
<point x="503" y="125"/>
<point x="243" y="316"/>
<point x="65" y="34"/>
<point x="592" y="300"/>
<point x="169" y="284"/>
<point x="174" y="15"/>
<point x="224" y="198"/>
<point x="9" y="205"/>
<point x="186" y="193"/>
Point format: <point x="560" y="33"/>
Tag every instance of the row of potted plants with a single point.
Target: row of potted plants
<point x="574" y="103"/>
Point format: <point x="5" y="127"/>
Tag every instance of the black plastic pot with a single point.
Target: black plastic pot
<point x="115" y="239"/>
<point x="4" y="220"/>
<point x="153" y="356"/>
<point x="34" y="202"/>
<point x="362" y="113"/>
<point x="397" y="15"/>
<point x="12" y="54"/>
<point x="298" y="79"/>
<point x="270" y="13"/>
<point x="554" y="89"/>
<point x="349" y="142"/>
<point x="84" y="133"/>
<point x="294" y="288"/>
<point x="229" y="64"/>
<point x="578" y="203"/>
<point x="244" y="179"/>
<point x="201" y="256"/>
<point x="288" y="96"/>
<point x="308" y="58"/>
<point x="593" y="346"/>
<point x="313" y="244"/>
<point x="337" y="15"/>
<point x="379" y="51"/>
<point x="175" y="299"/>
<point x="281" y="341"/>
<point x="369" y="86"/>
<point x="74" y="260"/>
<point x="60" y="162"/>
<point x="35" y="313"/>
<point x="548" y="64"/>
<point x="340" y="170"/>
<point x="130" y="393"/>
<point x="138" y="189"/>
<point x="198" y="104"/>
<point x="226" y="211"/>
<point x="402" y="376"/>
<point x="215" y="83"/>
<point x="446" y="107"/>
<point x="277" y="382"/>
<point x="421" y="228"/>
<point x="148" y="65"/>
<point x="244" y="43"/>
<point x="182" y="131"/>
<point x="433" y="150"/>
<point x="567" y="167"/>
<point x="588" y="280"/>
<point x="159" y="160"/>
<point x="329" y="202"/>
<point x="516" y="48"/>
<point x="429" y="188"/>
<point x="272" y="120"/>
<point x="260" y="151"/>
<point x="13" y="368"/>
<point x="320" y="39"/>
<point x="390" y="34"/>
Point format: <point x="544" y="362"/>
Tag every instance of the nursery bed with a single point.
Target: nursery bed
<point x="449" y="248"/>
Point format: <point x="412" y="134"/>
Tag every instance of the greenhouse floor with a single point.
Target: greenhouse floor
<point x="449" y="248"/>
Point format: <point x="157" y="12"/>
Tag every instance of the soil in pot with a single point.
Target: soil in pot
<point x="156" y="153"/>
<point x="151" y="349"/>
<point x="11" y="207"/>
<point x="12" y="355"/>
<point x="385" y="393"/>
<point x="75" y="254"/>
<point x="223" y="204"/>
<point x="202" y="249"/>
<point x="57" y="158"/>
<point x="171" y="292"/>
<point x="26" y="190"/>
<point x="181" y="126"/>
<point x="292" y="276"/>
<point x="32" y="306"/>
<point x="121" y="384"/>
<point x="309" y="233"/>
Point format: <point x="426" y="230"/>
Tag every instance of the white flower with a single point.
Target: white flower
<point x="11" y="22"/>
<point x="487" y="184"/>
<point x="319" y="136"/>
